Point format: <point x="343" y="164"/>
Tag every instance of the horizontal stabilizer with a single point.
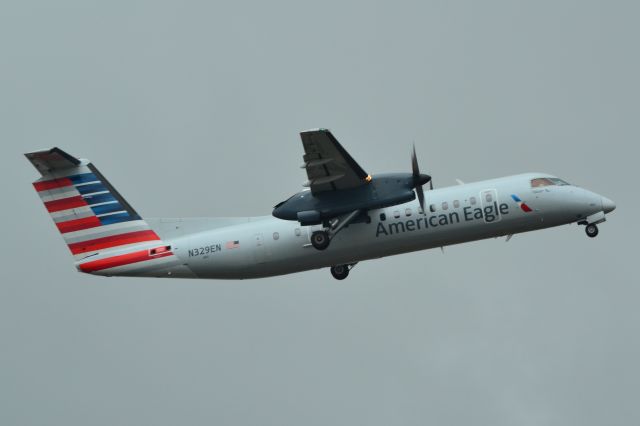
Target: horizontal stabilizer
<point x="48" y="160"/>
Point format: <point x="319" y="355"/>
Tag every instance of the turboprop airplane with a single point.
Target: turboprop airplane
<point x="344" y="217"/>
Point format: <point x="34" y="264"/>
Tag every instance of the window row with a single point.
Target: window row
<point x="297" y="232"/>
<point x="433" y="208"/>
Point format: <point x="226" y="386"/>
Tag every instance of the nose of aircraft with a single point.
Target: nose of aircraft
<point x="608" y="205"/>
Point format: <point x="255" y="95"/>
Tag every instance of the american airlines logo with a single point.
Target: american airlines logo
<point x="489" y="213"/>
<point x="521" y="204"/>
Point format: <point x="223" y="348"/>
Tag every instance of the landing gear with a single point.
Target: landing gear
<point x="591" y="230"/>
<point x="320" y="240"/>
<point x="340" y="272"/>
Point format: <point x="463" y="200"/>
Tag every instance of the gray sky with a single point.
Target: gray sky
<point x="193" y="108"/>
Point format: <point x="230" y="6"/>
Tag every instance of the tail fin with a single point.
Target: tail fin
<point x="103" y="232"/>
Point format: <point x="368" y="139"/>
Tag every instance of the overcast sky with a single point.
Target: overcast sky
<point x="193" y="108"/>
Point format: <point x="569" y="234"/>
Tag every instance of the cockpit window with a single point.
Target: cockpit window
<point x="559" y="182"/>
<point x="539" y="182"/>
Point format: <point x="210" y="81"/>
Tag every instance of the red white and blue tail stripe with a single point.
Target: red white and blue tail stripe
<point x="103" y="232"/>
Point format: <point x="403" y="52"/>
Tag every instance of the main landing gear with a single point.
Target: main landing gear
<point x="340" y="272"/>
<point x="591" y="230"/>
<point x="320" y="240"/>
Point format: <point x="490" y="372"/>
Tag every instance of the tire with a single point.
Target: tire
<point x="591" y="230"/>
<point x="340" y="272"/>
<point x="320" y="240"/>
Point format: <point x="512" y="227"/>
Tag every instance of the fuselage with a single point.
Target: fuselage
<point x="267" y="246"/>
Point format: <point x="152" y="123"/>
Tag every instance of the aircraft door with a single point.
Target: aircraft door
<point x="260" y="249"/>
<point x="490" y="208"/>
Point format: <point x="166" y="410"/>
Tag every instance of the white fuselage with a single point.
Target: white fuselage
<point x="266" y="246"/>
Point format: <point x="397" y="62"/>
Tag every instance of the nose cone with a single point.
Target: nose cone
<point x="608" y="205"/>
<point x="421" y="179"/>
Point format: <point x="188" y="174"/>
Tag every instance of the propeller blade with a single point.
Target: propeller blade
<point x="419" y="179"/>
<point x="420" y="193"/>
<point x="414" y="163"/>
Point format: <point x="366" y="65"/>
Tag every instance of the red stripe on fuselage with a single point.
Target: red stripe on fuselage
<point x="78" y="224"/>
<point x="113" y="241"/>
<point x="65" y="204"/>
<point x="121" y="260"/>
<point x="525" y="207"/>
<point x="52" y="184"/>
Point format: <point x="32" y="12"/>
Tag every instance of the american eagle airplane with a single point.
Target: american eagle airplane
<point x="344" y="217"/>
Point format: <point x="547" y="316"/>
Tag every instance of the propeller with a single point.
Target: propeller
<point x="419" y="179"/>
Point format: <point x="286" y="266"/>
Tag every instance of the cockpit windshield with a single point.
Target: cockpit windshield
<point x="550" y="181"/>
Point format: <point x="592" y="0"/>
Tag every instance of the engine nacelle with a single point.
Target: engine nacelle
<point x="313" y="209"/>
<point x="309" y="217"/>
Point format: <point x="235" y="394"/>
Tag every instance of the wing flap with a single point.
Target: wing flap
<point x="316" y="163"/>
<point x="322" y="180"/>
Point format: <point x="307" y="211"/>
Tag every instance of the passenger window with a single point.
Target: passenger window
<point x="472" y="200"/>
<point x="432" y="207"/>
<point x="488" y="197"/>
<point x="456" y="204"/>
<point x="383" y="217"/>
<point x="396" y="214"/>
<point x="297" y="232"/>
<point x="407" y="212"/>
<point x="276" y="236"/>
<point x="445" y="206"/>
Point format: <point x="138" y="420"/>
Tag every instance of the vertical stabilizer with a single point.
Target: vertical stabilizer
<point x="105" y="235"/>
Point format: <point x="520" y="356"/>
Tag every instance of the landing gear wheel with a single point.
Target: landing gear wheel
<point x="320" y="240"/>
<point x="340" y="272"/>
<point x="591" y="230"/>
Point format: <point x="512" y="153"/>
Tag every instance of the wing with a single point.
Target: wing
<point x="329" y="166"/>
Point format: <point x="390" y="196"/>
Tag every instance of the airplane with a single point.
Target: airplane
<point x="344" y="216"/>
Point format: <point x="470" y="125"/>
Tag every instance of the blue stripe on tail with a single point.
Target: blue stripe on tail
<point x="116" y="218"/>
<point x="107" y="208"/>
<point x="92" y="187"/>
<point x="83" y="178"/>
<point x="99" y="198"/>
